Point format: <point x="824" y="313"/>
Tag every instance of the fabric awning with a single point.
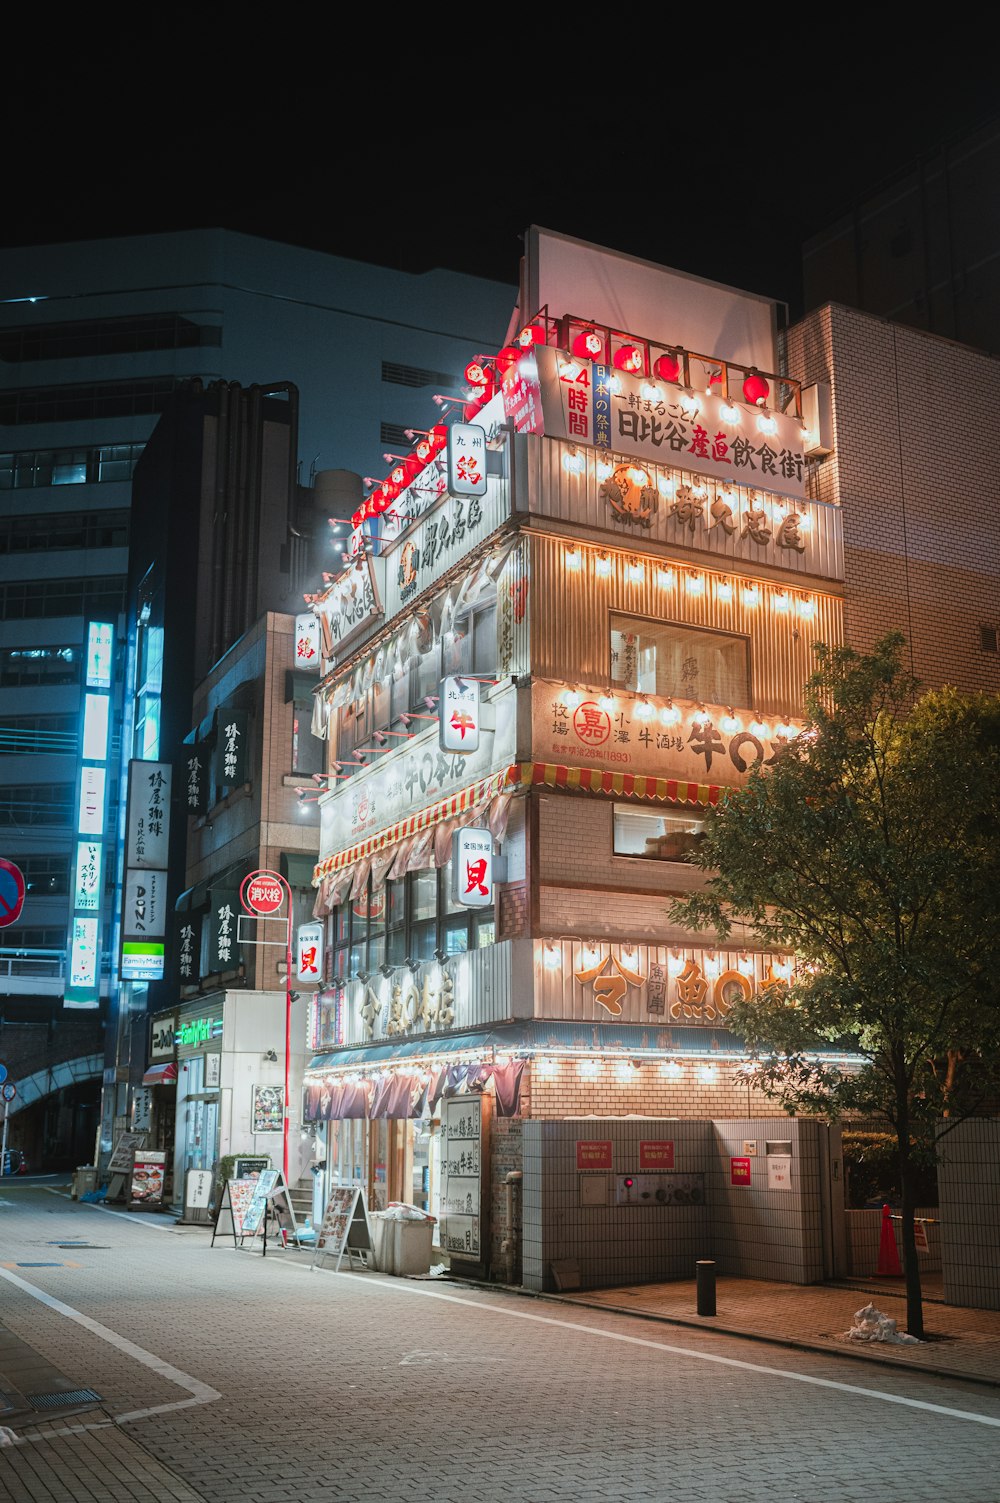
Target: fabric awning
<point x="624" y="784"/>
<point x="446" y="808"/>
<point x="160" y="1074"/>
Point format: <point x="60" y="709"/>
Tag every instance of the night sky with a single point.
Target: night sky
<point x="720" y="158"/>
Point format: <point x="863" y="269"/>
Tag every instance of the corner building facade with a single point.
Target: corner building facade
<point x="637" y="592"/>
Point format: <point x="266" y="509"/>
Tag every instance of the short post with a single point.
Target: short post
<point x="705" y="1284"/>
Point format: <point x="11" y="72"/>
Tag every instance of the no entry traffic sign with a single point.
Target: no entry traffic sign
<point x="263" y="893"/>
<point x="11" y="892"/>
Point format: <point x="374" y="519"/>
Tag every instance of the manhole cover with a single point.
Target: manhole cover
<point x="60" y="1399"/>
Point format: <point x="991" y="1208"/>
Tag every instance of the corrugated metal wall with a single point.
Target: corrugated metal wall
<point x="571" y="609"/>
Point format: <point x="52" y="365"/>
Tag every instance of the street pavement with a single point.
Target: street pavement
<point x="222" y="1375"/>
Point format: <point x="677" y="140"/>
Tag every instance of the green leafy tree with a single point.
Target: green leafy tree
<point x="872" y="850"/>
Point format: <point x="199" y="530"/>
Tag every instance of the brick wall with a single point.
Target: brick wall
<point x="647" y="1092"/>
<point x="913" y="470"/>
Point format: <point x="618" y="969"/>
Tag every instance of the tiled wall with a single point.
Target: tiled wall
<point x="969" y="1191"/>
<point x="864" y="1233"/>
<point x="750" y="1232"/>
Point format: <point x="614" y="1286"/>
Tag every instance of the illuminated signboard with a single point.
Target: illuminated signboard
<point x="90" y="820"/>
<point x="95" y="727"/>
<point x="100" y="654"/>
<point x="467" y="459"/>
<point x="458" y="712"/>
<point x="142" y="960"/>
<point x="83" y="957"/>
<point x="472" y="868"/>
<point x="87" y="892"/>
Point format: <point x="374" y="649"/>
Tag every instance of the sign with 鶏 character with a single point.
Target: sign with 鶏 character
<point x="307" y="653"/>
<point x="231" y="763"/>
<point x="458" y="715"/>
<point x="467" y="459"/>
<point x="147" y="823"/>
<point x="472" y="867"/>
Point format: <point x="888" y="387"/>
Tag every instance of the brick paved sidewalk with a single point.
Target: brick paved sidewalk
<point x="961" y="1343"/>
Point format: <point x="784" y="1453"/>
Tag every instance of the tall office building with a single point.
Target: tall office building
<point x="95" y="337"/>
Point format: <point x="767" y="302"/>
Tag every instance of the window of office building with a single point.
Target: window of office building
<point x="29" y="468"/>
<point x="24" y="667"/>
<point x="38" y="734"/>
<point x="36" y="804"/>
<point x="44" y="876"/>
<point x="46" y="532"/>
<point x="126" y="335"/>
<point x="669" y="659"/>
<point x="100" y="596"/>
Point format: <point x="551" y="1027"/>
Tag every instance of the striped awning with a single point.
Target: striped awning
<point x="524" y="774"/>
<point x="414" y="824"/>
<point x="623" y="784"/>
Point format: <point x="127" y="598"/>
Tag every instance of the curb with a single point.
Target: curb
<point x="856" y="1353"/>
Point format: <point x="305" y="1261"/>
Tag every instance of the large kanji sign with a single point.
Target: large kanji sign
<point x="263" y="893"/>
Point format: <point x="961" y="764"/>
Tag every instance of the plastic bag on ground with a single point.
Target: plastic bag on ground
<point x="401" y="1210"/>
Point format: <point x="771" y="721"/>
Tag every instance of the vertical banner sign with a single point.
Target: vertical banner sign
<point x="147" y="824"/>
<point x="466" y="459"/>
<point x="309" y="952"/>
<point x="223" y="950"/>
<point x="84" y="988"/>
<point x="230" y="748"/>
<point x="306" y="641"/>
<point x="458" y="715"/>
<point x="187" y="947"/>
<point x="461" y="1170"/>
<point x="144" y="916"/>
<point x="472" y="868"/>
<point x="195" y="767"/>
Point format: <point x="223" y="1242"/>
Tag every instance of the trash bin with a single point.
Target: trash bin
<point x="402" y="1238"/>
<point x="411" y="1246"/>
<point x="84" y="1181"/>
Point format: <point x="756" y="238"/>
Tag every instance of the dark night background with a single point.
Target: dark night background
<point x="715" y="149"/>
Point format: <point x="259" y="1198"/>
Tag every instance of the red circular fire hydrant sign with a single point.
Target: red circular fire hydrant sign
<point x="263" y="893"/>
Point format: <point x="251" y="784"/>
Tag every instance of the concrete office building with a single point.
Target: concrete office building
<point x="95" y="337"/>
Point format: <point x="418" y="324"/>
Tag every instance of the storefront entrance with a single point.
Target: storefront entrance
<point x="391" y="1160"/>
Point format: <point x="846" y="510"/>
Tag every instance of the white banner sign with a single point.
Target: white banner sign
<point x="147" y="830"/>
<point x="467" y="459"/>
<point x="306" y="641"/>
<point x="309" y="952"/>
<point x="472" y="867"/>
<point x="458" y="711"/>
<point x="145" y="910"/>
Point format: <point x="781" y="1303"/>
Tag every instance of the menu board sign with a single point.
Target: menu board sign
<point x="148" y="1170"/>
<point x="461" y="1175"/>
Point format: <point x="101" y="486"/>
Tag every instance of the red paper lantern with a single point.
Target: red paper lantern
<point x="715" y="379"/>
<point x="756" y="389"/>
<point x="588" y="345"/>
<point x="399" y="475"/>
<point x="476" y="374"/>
<point x="668" y="368"/>
<point x="439" y="436"/>
<point x="531" y="335"/>
<point x="507" y="357"/>
<point x="629" y="357"/>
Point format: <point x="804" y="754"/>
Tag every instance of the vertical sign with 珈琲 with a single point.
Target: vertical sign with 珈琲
<point x="144" y="897"/>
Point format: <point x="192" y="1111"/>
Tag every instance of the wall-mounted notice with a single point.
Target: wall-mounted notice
<point x="461" y="1175"/>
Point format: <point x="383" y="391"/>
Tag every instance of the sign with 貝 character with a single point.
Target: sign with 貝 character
<point x="309" y="952"/>
<point x="458" y="715"/>
<point x="472" y="867"/>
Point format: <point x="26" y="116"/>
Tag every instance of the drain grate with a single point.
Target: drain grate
<point x="60" y="1399"/>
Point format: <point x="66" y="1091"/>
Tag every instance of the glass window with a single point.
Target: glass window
<point x="668" y="659"/>
<point x="655" y="836"/>
<point x="307" y="749"/>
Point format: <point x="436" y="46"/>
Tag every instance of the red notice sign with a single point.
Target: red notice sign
<point x="739" y="1173"/>
<point x="263" y="893"/>
<point x="656" y="1155"/>
<point x="594" y="1155"/>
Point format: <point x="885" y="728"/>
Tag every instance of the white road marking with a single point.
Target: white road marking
<point x="200" y="1393"/>
<point x="91" y="1205"/>
<point x="404" y="1287"/>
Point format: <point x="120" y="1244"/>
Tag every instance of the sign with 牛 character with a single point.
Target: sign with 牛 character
<point x="458" y="715"/>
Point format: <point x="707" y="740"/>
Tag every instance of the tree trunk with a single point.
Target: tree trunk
<point x="911" y="1268"/>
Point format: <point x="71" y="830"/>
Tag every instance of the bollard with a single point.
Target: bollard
<point x="705" y="1283"/>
